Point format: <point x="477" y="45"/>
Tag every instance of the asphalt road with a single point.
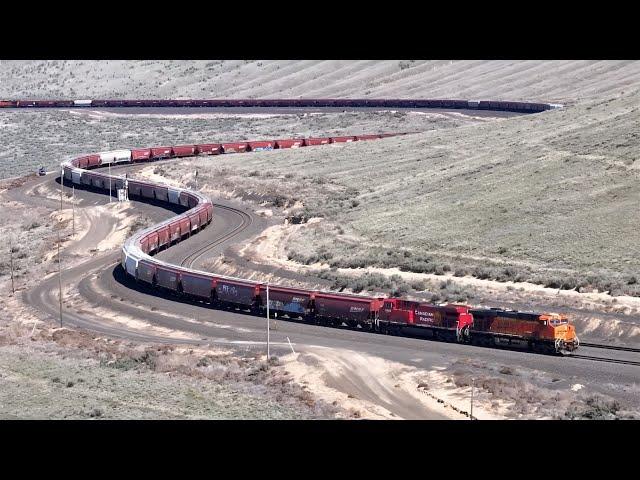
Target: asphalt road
<point x="101" y="282"/>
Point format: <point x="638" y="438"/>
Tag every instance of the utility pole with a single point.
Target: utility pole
<point x="268" y="350"/>
<point x="61" y="190"/>
<point x="196" y="175"/>
<point x="13" y="290"/>
<point x="73" y="207"/>
<point x="473" y="384"/>
<point x="60" y="274"/>
<point x="109" y="182"/>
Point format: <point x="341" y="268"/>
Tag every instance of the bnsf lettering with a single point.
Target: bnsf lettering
<point x="356" y="309"/>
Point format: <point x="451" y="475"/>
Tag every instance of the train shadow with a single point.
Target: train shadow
<point x="120" y="276"/>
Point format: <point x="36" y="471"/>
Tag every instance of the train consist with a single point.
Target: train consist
<point x="522" y="107"/>
<point x="548" y="333"/>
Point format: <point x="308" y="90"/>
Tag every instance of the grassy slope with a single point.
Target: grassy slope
<point x="545" y="194"/>
<point x="561" y="81"/>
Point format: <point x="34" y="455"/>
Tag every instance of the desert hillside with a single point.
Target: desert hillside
<point x="553" y="81"/>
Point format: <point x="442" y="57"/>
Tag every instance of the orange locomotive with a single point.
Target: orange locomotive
<point x="543" y="332"/>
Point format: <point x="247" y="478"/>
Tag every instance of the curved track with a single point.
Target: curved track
<point x="245" y="222"/>
<point x="101" y="282"/>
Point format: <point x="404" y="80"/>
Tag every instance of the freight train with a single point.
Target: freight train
<point x="542" y="332"/>
<point x="522" y="107"/>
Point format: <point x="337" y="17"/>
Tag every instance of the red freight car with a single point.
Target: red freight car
<point x="354" y="310"/>
<point x="290" y="143"/>
<point x="140" y="154"/>
<point x="164" y="235"/>
<point x="234" y="147"/>
<point x="202" y="212"/>
<point x="286" y="301"/>
<point x="184" y="150"/>
<point x="174" y="231"/>
<point x="161" y="152"/>
<point x="152" y="241"/>
<point x="185" y="226"/>
<point x="342" y="139"/>
<point x="209" y="149"/>
<point x="92" y="161"/>
<point x="194" y="218"/>
<point x="308" y="142"/>
<point x="259" y="146"/>
<point x="367" y="137"/>
<point x="235" y="292"/>
<point x="8" y="103"/>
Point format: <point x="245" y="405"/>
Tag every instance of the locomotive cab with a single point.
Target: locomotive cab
<point x="556" y="327"/>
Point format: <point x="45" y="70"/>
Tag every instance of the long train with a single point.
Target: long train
<point x="543" y="332"/>
<point x="522" y="107"/>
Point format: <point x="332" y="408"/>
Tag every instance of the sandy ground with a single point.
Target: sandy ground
<point x="368" y="387"/>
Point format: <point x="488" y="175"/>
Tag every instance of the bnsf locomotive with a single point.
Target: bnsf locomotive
<point x="549" y="333"/>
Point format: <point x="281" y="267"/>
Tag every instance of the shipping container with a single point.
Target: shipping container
<point x="367" y="137"/>
<point x="236" y="292"/>
<point x="209" y="149"/>
<point x="76" y="175"/>
<point x="82" y="103"/>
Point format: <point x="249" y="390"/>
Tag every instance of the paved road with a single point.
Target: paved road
<point x="101" y="282"/>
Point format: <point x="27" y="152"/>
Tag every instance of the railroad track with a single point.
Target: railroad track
<point x="610" y="347"/>
<point x="245" y="222"/>
<point x="604" y="359"/>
